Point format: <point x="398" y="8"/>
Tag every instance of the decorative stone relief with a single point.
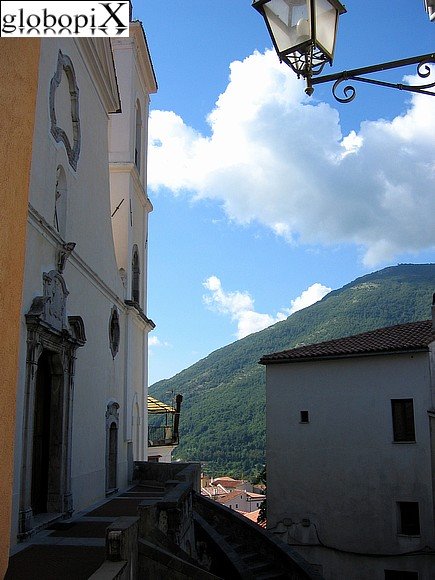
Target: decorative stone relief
<point x="60" y="201"/>
<point x="64" y="65"/>
<point x="112" y="414"/>
<point x="123" y="276"/>
<point x="114" y="332"/>
<point x="54" y="300"/>
<point x="63" y="254"/>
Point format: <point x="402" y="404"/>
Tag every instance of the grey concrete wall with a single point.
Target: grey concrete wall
<point x="336" y="480"/>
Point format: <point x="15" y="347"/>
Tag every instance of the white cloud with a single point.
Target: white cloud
<point x="232" y="303"/>
<point x="155" y="341"/>
<point x="278" y="158"/>
<point x="313" y="294"/>
<point x="240" y="306"/>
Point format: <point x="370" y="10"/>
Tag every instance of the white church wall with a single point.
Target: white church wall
<point x="91" y="274"/>
<point x="130" y="223"/>
<point x="99" y="379"/>
<point x="105" y="381"/>
<point x="119" y="192"/>
<point x="88" y="186"/>
<point x="136" y="380"/>
<point x="120" y="127"/>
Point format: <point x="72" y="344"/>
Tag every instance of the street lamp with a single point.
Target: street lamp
<point x="303" y="33"/>
<point x="430" y="9"/>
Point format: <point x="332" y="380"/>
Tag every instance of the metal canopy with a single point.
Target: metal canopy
<point x="156" y="407"/>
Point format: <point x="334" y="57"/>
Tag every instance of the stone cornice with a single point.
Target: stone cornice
<point x="98" y="57"/>
<point x="137" y="42"/>
<point x="134" y="306"/>
<point x="144" y="58"/>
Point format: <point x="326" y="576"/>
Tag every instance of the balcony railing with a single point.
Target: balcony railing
<point x="164" y="435"/>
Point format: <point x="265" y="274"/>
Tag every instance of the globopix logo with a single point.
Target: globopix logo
<point x="66" y="19"/>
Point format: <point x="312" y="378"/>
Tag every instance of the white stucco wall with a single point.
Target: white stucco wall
<point x="99" y="379"/>
<point x="91" y="276"/>
<point x="130" y="223"/>
<point x="92" y="273"/>
<point x="88" y="201"/>
<point x="342" y="471"/>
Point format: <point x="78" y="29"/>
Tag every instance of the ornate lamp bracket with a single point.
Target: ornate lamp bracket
<point x="424" y="71"/>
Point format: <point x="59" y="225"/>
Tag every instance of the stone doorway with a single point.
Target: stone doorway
<point x="47" y="435"/>
<point x="52" y="341"/>
<point x="113" y="455"/>
<point x="112" y="423"/>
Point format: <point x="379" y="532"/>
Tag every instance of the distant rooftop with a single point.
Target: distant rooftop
<point x="229" y="496"/>
<point x="413" y="336"/>
<point x="227" y="481"/>
<point x="253" y="516"/>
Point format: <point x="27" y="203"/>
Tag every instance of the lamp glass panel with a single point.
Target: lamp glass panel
<point x="289" y="21"/>
<point x="326" y="25"/>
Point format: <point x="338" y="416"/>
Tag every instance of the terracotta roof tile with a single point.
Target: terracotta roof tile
<point x="253" y="516"/>
<point x="412" y="336"/>
<point x="254" y="496"/>
<point x="226" y="481"/>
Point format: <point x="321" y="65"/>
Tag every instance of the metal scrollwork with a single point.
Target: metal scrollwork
<point x="307" y="62"/>
<point x="349" y="91"/>
<point x="425" y="70"/>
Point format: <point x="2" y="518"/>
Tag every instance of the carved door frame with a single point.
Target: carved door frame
<point x="50" y="331"/>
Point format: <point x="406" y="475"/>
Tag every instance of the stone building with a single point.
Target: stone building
<point x="350" y="452"/>
<point x="81" y="414"/>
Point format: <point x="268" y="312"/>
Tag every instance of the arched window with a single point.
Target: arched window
<point x="138" y="136"/>
<point x="135" y="431"/>
<point x="60" y="201"/>
<point x="112" y="424"/>
<point x="135" y="278"/>
<point x="114" y="331"/>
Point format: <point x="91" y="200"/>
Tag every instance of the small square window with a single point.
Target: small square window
<point x="403" y="420"/>
<point x="400" y="575"/>
<point x="304" y="417"/>
<point x="409" y="518"/>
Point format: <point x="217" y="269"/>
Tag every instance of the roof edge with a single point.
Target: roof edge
<point x="313" y="358"/>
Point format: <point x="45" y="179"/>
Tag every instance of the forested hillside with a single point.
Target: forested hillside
<point x="223" y="413"/>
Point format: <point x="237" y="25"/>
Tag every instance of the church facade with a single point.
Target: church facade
<point x="81" y="405"/>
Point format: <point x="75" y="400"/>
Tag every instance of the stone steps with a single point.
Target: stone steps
<point x="257" y="565"/>
<point x="255" y="552"/>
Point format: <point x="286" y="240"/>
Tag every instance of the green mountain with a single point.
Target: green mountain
<point x="223" y="412"/>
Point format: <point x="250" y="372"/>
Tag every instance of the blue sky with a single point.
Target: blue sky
<point x="263" y="198"/>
